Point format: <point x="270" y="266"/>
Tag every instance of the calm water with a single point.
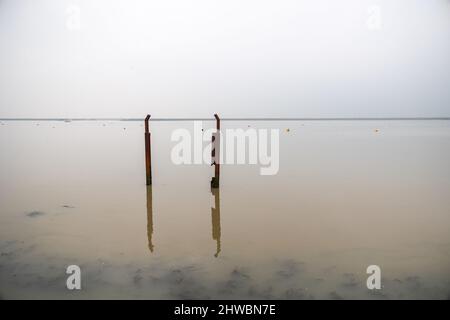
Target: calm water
<point x="348" y="194"/>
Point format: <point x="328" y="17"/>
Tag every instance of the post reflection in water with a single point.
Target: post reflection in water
<point x="149" y="217"/>
<point x="215" y="218"/>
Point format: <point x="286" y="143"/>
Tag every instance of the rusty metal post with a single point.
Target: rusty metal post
<point x="215" y="154"/>
<point x="148" y="153"/>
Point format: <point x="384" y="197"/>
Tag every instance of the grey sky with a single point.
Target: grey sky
<point x="175" y="58"/>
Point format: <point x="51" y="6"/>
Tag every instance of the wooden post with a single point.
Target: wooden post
<point x="215" y="154"/>
<point x="148" y="153"/>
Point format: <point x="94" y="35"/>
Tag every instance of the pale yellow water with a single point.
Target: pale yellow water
<point x="348" y="194"/>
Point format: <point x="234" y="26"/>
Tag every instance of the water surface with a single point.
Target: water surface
<point x="348" y="194"/>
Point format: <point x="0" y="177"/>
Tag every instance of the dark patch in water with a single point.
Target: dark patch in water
<point x="185" y="286"/>
<point x="238" y="279"/>
<point x="335" y="296"/>
<point x="290" y="268"/>
<point x="239" y="274"/>
<point x="6" y="254"/>
<point x="182" y="283"/>
<point x="68" y="206"/>
<point x="137" y="278"/>
<point x="176" y="276"/>
<point x="34" y="214"/>
<point x="350" y="280"/>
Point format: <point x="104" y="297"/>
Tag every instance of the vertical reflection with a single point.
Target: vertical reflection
<point x="215" y="217"/>
<point x="149" y="218"/>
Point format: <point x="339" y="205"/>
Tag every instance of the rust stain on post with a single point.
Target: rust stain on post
<point x="148" y="153"/>
<point x="216" y="154"/>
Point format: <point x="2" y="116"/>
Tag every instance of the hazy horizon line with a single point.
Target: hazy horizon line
<point x="232" y="119"/>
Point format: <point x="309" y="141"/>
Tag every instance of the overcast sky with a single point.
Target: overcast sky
<point x="240" y="58"/>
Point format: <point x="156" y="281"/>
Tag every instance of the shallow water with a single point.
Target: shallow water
<point x="348" y="194"/>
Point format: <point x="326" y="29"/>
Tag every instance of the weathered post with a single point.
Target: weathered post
<point x="148" y="153"/>
<point x="215" y="154"/>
